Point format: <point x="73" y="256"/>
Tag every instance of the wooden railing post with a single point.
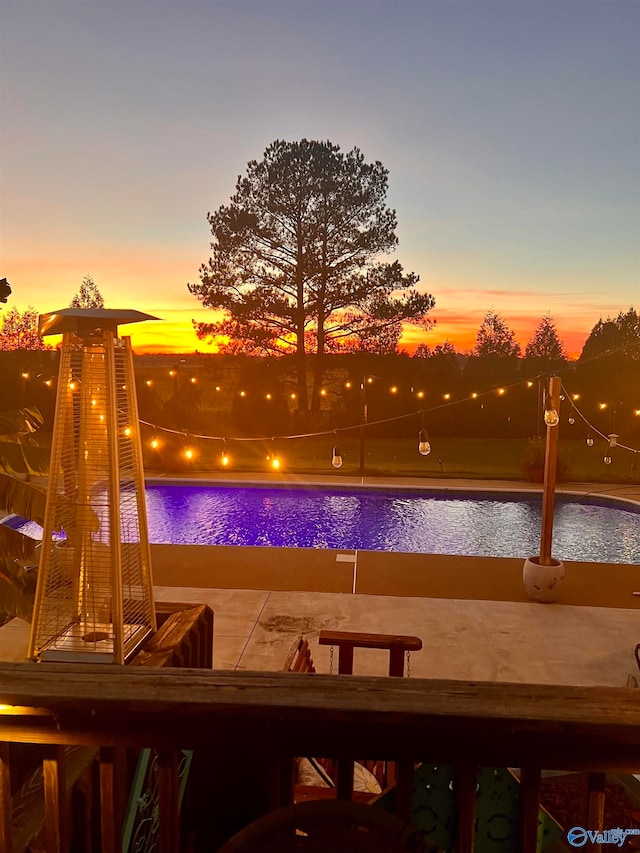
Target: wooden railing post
<point x="404" y="789"/>
<point x="465" y="781"/>
<point x="111" y="813"/>
<point x="55" y="800"/>
<point x="168" y="801"/>
<point x="6" y="839"/>
<point x="594" y="811"/>
<point x="530" y="778"/>
<point x="344" y="783"/>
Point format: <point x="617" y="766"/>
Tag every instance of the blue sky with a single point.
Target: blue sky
<point x="510" y="128"/>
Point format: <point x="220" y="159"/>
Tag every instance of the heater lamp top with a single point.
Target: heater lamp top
<point x="85" y="320"/>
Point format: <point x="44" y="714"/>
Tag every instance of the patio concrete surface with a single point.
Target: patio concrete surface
<point x="462" y="639"/>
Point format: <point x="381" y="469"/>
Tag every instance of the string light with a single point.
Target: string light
<point x="336" y="457"/>
<point x="274" y="459"/>
<point x="24" y="375"/>
<point x="224" y="456"/>
<point x="393" y="389"/>
<point x="276" y="462"/>
<point x="607" y="460"/>
<point x="154" y="443"/>
<point x="424" y="447"/>
<point x="551" y="416"/>
<point x="127" y="431"/>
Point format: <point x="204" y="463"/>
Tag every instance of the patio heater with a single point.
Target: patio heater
<point x="94" y="595"/>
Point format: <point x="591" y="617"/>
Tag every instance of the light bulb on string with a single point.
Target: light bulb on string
<point x="225" y="459"/>
<point x="188" y="450"/>
<point x="607" y="460"/>
<point x="154" y="443"/>
<point x="589" y="441"/>
<point x="551" y="416"/>
<point x="273" y="459"/>
<point x="424" y="447"/>
<point x="571" y="420"/>
<point x="336" y="457"/>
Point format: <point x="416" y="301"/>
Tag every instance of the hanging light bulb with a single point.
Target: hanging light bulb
<point x="571" y="420"/>
<point x="225" y="459"/>
<point x="155" y="443"/>
<point x="424" y="448"/>
<point x="551" y="417"/>
<point x="589" y="441"/>
<point x="274" y="460"/>
<point x="336" y="457"/>
<point x="608" y="460"/>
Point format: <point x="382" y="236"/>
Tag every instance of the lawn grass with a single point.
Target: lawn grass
<point x="496" y="459"/>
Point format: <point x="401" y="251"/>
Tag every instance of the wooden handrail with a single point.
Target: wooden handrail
<point x="396" y="644"/>
<point x="556" y="727"/>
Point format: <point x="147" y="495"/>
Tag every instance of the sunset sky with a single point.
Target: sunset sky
<point x="510" y="128"/>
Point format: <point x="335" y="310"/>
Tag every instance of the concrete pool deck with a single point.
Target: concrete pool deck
<point x="462" y="639"/>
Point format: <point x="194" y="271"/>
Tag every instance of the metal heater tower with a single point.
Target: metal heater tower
<point x="94" y="596"/>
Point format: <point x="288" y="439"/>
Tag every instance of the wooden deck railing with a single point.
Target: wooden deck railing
<point x="236" y="716"/>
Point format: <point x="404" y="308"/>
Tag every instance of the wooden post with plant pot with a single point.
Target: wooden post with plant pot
<point x="542" y="575"/>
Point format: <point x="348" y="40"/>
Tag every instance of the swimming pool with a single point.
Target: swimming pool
<point x="484" y="524"/>
<point x="503" y="524"/>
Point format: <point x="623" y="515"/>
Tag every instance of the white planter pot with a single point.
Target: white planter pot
<point x="541" y="582"/>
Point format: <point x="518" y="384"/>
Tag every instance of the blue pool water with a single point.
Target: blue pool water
<point x="484" y="524"/>
<point x="414" y="521"/>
